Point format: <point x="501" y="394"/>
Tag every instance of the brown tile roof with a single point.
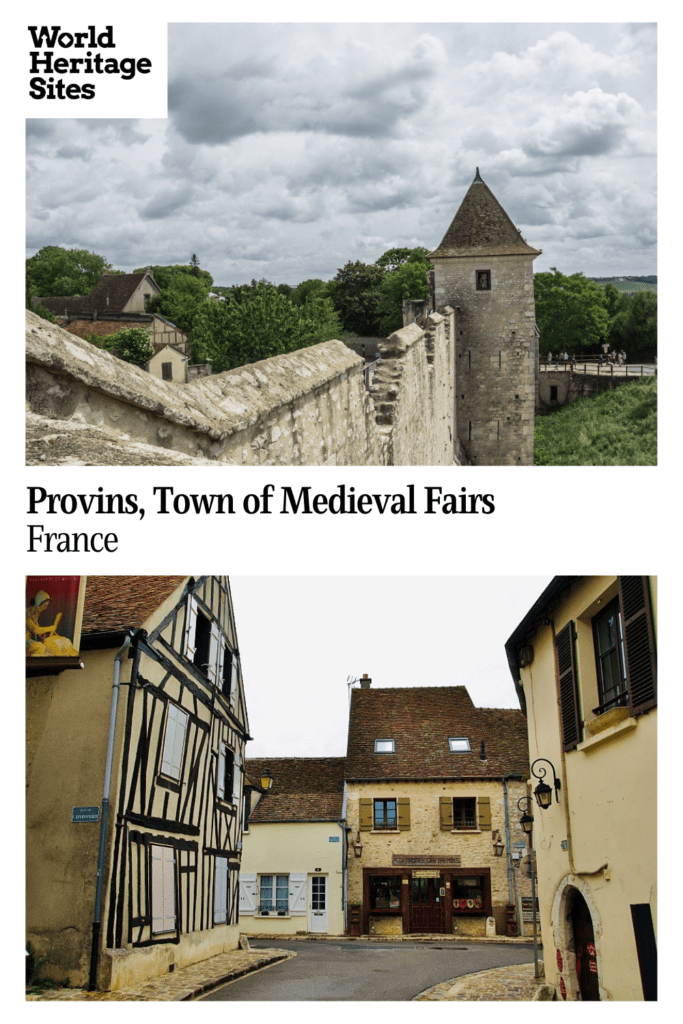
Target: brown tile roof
<point x="124" y="602"/>
<point x="481" y="227"/>
<point x="110" y="295"/>
<point x="420" y="720"/>
<point x="304" y="788"/>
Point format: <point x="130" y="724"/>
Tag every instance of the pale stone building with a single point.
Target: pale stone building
<point x="483" y="268"/>
<point x="292" y="878"/>
<point x="432" y="786"/>
<point x="584" y="659"/>
<point x="148" y="737"/>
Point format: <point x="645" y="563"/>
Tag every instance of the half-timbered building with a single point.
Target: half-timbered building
<point x="135" y="778"/>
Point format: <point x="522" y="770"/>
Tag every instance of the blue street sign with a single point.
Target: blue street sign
<point x="85" y="814"/>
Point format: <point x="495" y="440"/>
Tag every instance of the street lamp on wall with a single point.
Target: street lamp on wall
<point x="358" y="846"/>
<point x="266" y="780"/>
<point x="498" y="845"/>
<point x="526" y="821"/>
<point x="543" y="792"/>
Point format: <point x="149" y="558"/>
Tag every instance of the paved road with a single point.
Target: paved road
<point x="363" y="971"/>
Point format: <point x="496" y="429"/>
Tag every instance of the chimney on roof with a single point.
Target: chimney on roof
<point x="365" y="682"/>
<point x="482" y="751"/>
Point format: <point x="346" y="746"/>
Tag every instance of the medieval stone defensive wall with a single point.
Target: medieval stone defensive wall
<point x="310" y="407"/>
<point x="561" y="387"/>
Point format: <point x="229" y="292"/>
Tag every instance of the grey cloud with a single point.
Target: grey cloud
<point x="166" y="203"/>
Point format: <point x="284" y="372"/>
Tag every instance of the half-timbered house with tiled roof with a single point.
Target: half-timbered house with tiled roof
<point x="294" y="861"/>
<point x="432" y="791"/>
<point x="149" y="738"/>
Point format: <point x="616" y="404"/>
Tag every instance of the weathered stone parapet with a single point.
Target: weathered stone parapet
<point x="309" y="407"/>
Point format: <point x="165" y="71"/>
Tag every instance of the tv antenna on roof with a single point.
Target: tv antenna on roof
<point x="350" y="680"/>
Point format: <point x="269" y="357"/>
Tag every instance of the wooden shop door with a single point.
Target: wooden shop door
<point x="427" y="905"/>
<point x="584" y="946"/>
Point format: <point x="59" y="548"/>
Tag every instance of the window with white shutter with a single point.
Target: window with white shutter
<point x="225" y="772"/>
<point x="220" y="902"/>
<point x="237" y="780"/>
<point x="297" y="894"/>
<point x="174" y="741"/>
<point x="190" y="628"/>
<point x="247" y="894"/>
<point x="215" y="654"/>
<point x="163" y="889"/>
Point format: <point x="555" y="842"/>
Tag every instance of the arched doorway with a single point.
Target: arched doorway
<point x="584" y="948"/>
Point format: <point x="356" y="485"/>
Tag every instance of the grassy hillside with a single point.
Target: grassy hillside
<point x="615" y="428"/>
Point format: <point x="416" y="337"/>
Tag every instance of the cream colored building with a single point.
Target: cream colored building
<point x="293" y="861"/>
<point x="139" y="755"/>
<point x="584" y="658"/>
<point x="432" y="786"/>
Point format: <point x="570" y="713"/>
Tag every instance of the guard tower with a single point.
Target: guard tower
<point x="483" y="268"/>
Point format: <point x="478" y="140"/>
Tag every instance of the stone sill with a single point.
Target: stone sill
<point x="465" y="831"/>
<point x="607" y="732"/>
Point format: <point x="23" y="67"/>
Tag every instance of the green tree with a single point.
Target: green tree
<point x="394" y="258"/>
<point x="571" y="312"/>
<point x="166" y="277"/>
<point x="634" y="327"/>
<point x="313" y="286"/>
<point x="408" y="281"/>
<point x="355" y="292"/>
<point x="180" y="301"/>
<point x="132" y="344"/>
<point x="56" y="271"/>
<point x="263" y="324"/>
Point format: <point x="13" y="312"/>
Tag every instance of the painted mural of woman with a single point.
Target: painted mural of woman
<point x="43" y="641"/>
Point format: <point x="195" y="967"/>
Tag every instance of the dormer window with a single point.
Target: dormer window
<point x="459" y="744"/>
<point x="385" y="746"/>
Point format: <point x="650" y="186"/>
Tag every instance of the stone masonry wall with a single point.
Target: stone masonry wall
<point x="496" y="356"/>
<point x="425" y="836"/>
<point x="309" y="407"/>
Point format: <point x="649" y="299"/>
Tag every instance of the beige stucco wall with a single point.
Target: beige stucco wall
<point x="66" y="730"/>
<point x="295" y="847"/>
<point x="178" y="364"/>
<point x="426" y="837"/>
<point x="607" y="809"/>
<point x="136" y="303"/>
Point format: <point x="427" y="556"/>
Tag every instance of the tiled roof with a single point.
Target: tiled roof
<point x="124" y="602"/>
<point x="110" y="295"/>
<point x="304" y="788"/>
<point x="481" y="227"/>
<point x="420" y="720"/>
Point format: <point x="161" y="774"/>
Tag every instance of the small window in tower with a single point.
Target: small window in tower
<point x="483" y="280"/>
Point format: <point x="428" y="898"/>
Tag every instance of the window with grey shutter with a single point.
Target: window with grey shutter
<point x="163" y="889"/>
<point x="568" y="685"/>
<point x="639" y="642"/>
<point x="174" y="741"/>
<point x="220" y="902"/>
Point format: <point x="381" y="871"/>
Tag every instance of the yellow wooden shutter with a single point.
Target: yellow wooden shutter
<point x="446" y="812"/>
<point x="365" y="815"/>
<point x="484" y="811"/>
<point x="403" y="813"/>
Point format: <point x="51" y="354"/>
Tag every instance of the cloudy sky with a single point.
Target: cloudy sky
<point x="291" y="149"/>
<point x="301" y="637"/>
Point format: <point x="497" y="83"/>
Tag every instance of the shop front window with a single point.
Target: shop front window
<point x="468" y="893"/>
<point x="385" y="892"/>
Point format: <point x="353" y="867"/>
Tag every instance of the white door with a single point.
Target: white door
<point x="318" y="904"/>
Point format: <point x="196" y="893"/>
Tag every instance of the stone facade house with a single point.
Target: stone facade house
<point x="432" y="784"/>
<point x="118" y="301"/>
<point x="483" y="269"/>
<point x="292" y="878"/>
<point x="148" y="735"/>
<point x="584" y="659"/>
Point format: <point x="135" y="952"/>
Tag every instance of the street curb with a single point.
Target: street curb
<point x="209" y="986"/>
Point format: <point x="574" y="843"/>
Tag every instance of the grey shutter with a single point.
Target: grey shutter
<point x="215" y="646"/>
<point x="568" y="684"/>
<point x="297" y="894"/>
<point x="190" y="628"/>
<point x="234" y="678"/>
<point x="639" y="642"/>
<point x="163" y="888"/>
<point x="220" y="900"/>
<point x="446" y="813"/>
<point x="247" y="894"/>
<point x="174" y="741"/>
<point x="220" y="781"/>
<point x="237" y="780"/>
